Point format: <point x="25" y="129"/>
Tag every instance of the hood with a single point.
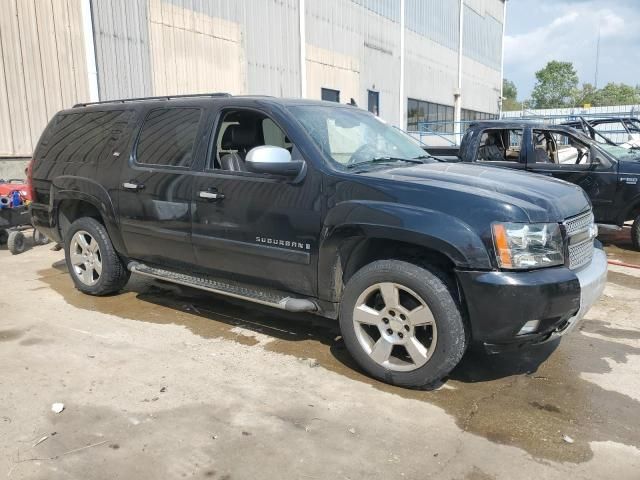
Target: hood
<point x="542" y="198"/>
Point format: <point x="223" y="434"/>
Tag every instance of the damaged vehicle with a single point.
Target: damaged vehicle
<point x="315" y="207"/>
<point x="621" y="131"/>
<point x="608" y="173"/>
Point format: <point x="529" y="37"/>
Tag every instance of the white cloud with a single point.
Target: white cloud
<point x="544" y="30"/>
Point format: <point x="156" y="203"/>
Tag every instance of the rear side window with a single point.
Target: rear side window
<point x="168" y="137"/>
<point x="83" y="137"/>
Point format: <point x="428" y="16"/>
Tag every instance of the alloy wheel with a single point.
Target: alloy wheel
<point x="86" y="258"/>
<point x="395" y="327"/>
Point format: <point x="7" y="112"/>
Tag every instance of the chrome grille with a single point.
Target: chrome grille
<point x="581" y="252"/>
<point x="578" y="223"/>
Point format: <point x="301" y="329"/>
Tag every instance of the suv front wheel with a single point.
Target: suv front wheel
<point x="401" y="324"/>
<point x="94" y="265"/>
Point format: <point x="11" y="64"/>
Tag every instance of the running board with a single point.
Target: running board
<point x="271" y="298"/>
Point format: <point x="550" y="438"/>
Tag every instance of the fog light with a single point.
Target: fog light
<point x="529" y="327"/>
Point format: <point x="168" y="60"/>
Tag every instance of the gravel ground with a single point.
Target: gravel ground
<point x="166" y="382"/>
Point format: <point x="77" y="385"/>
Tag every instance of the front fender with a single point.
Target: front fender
<point x="388" y="221"/>
<point x="69" y="187"/>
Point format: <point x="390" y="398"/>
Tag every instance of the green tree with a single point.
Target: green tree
<point x="556" y="86"/>
<point x="616" y="94"/>
<point x="510" y="94"/>
<point x="586" y="95"/>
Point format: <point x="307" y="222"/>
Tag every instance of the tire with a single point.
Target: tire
<point x="425" y="313"/>
<point x="635" y="233"/>
<point x="93" y="263"/>
<point x="3" y="236"/>
<point x="39" y="238"/>
<point x="16" y="242"/>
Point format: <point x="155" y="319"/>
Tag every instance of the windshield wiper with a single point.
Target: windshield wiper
<point x="387" y="159"/>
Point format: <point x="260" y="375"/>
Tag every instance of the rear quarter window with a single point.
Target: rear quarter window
<point x="82" y="137"/>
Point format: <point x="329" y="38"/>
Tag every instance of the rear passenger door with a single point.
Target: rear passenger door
<point x="156" y="186"/>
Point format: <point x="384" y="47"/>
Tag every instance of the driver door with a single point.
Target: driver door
<point x="255" y="228"/>
<point x="567" y="158"/>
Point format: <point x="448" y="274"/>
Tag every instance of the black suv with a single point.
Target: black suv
<point x="317" y="207"/>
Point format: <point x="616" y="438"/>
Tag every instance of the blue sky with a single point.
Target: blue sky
<point x="541" y="30"/>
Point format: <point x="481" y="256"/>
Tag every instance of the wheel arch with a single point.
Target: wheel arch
<point x="79" y="197"/>
<point x="417" y="235"/>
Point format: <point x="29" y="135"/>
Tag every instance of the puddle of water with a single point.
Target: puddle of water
<point x="624" y="280"/>
<point x="602" y="328"/>
<point x="527" y="399"/>
<point x="149" y="301"/>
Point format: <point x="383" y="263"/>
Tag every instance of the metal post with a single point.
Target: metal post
<point x="303" y="49"/>
<point x="90" y="51"/>
<point x="504" y="24"/>
<point x="402" y="123"/>
<point x="457" y="109"/>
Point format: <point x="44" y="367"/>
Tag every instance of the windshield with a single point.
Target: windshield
<point x="621" y="153"/>
<point x="353" y="137"/>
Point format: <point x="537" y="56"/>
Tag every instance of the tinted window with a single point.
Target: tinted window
<point x="168" y="136"/>
<point x="84" y="136"/>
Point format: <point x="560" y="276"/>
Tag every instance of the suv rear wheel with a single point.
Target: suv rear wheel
<point x="401" y="324"/>
<point x="94" y="265"/>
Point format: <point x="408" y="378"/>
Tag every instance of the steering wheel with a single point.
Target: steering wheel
<point x="363" y="153"/>
<point x="581" y="154"/>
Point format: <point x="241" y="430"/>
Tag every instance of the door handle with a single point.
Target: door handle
<point x="211" y="195"/>
<point x="132" y="186"/>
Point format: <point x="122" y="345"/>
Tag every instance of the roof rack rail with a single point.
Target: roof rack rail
<point x="163" y="97"/>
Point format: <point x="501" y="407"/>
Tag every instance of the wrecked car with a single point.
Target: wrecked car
<point x="608" y="173"/>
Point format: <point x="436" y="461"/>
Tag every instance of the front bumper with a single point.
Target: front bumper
<point x="499" y="304"/>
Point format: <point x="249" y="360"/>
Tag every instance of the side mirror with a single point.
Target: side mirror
<point x="273" y="160"/>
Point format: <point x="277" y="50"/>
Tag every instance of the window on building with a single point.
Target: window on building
<point x="428" y="116"/>
<point x="330" y="95"/>
<point x="168" y="137"/>
<point x="469" y="116"/>
<point x="373" y="102"/>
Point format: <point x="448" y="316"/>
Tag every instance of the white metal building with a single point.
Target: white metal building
<point x="407" y="60"/>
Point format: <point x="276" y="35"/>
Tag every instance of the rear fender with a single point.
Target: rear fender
<point x="83" y="189"/>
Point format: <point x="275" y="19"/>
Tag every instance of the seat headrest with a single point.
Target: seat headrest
<point x="238" y="137"/>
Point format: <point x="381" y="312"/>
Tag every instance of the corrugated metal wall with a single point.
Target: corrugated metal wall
<point x="121" y="36"/>
<point x="354" y="47"/>
<point x="436" y="20"/>
<point x="432" y="44"/>
<point x="155" y="47"/>
<point x="191" y="46"/>
<point x="482" y="38"/>
<point x="44" y="69"/>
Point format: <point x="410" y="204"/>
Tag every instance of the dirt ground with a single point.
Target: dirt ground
<point x="166" y="382"/>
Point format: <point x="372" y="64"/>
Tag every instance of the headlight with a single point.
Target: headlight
<point x="528" y="245"/>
